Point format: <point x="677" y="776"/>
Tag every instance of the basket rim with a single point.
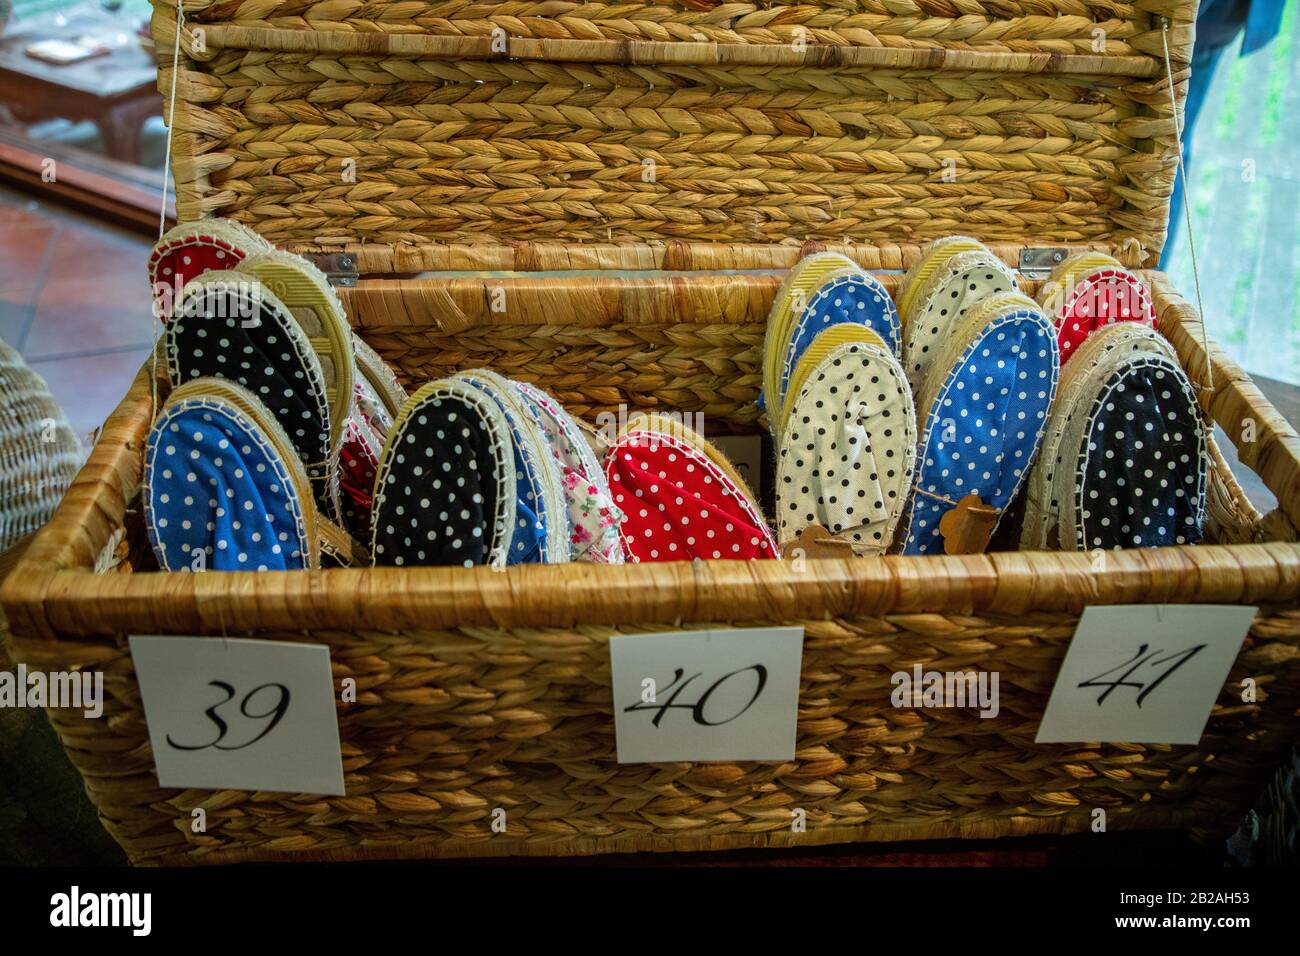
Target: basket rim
<point x="46" y="603"/>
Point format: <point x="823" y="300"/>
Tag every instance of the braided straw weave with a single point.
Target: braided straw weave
<point x="39" y="452"/>
<point x="334" y="123"/>
<point x="480" y="690"/>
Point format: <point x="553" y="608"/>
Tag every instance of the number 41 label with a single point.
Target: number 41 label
<point x="1143" y="673"/>
<point x="238" y="714"/>
<point x="706" y="695"/>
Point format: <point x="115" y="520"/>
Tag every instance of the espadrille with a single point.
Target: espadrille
<point x="40" y="454"/>
<point x="1131" y="458"/>
<point x="379" y="398"/>
<point x="934" y="255"/>
<point x="1141" y="472"/>
<point x="849" y="444"/>
<point x="311" y="300"/>
<point x="445" y="492"/>
<point x="223" y="487"/>
<point x="1090" y="290"/>
<point x="593" y="516"/>
<point x="358" y="464"/>
<point x="379" y="376"/>
<point x="797" y="288"/>
<point x="816" y="352"/>
<point x="1051" y="475"/>
<point x="541" y="533"/>
<point x="189" y="249"/>
<point x="984" y="404"/>
<point x="848" y="296"/>
<point x="230" y="325"/>
<point x="955" y="281"/>
<point x="681" y="497"/>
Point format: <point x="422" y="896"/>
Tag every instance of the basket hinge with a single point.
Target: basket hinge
<point x="340" y="268"/>
<point x="1038" y="262"/>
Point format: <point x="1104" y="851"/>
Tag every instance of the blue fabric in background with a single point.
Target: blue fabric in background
<point x="1217" y="24"/>
<point x="1262" y="23"/>
<point x="213" y="483"/>
<point x="967" y="446"/>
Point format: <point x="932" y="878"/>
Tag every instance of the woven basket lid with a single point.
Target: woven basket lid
<point x="39" y="452"/>
<point x="429" y="135"/>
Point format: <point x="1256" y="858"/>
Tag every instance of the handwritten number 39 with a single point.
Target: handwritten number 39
<point x="273" y="716"/>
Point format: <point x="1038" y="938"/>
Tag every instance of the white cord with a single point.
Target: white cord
<point x="162" y="212"/>
<point x="171" y="117"/>
<point x="1187" y="211"/>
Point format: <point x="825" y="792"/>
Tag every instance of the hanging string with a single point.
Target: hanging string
<point x="171" y="117"/>
<point x="1187" y="210"/>
<point x="162" y="212"/>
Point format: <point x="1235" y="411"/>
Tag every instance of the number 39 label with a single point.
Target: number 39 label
<point x="706" y="695"/>
<point x="1142" y="673"/>
<point x="240" y="714"/>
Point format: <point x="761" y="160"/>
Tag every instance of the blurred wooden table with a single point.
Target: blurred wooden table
<point x="117" y="91"/>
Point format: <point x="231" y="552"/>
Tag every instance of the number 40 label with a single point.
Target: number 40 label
<point x="1144" y="674"/>
<point x="706" y="695"/>
<point x="240" y="714"/>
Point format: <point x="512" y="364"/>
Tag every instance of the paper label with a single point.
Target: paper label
<point x="706" y="695"/>
<point x="1144" y="673"/>
<point x="240" y="714"/>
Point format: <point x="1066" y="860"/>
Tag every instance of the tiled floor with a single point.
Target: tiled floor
<point x="74" y="301"/>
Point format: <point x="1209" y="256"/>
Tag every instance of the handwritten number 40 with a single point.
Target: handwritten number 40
<point x="272" y="716"/>
<point x="697" y="708"/>
<point x="1140" y="659"/>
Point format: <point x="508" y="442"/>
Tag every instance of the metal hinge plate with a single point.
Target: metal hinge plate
<point x="340" y="268"/>
<point x="1038" y="263"/>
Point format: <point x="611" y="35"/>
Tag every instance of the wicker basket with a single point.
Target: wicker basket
<point x="39" y="452"/>
<point x="480" y="690"/>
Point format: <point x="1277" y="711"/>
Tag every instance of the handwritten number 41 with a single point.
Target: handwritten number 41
<point x="1130" y="678"/>
<point x="273" y="716"/>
